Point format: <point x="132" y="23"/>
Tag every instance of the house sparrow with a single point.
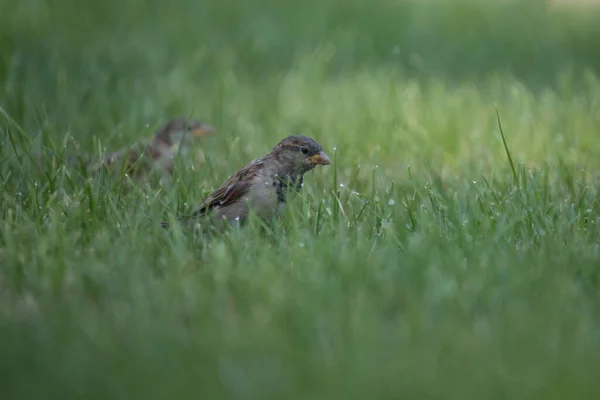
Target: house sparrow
<point x="157" y="153"/>
<point x="262" y="184"/>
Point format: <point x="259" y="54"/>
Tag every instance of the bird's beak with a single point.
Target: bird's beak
<point x="320" y="159"/>
<point x="203" y="130"/>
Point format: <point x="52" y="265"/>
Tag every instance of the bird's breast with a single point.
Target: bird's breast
<point x="268" y="194"/>
<point x="283" y="185"/>
<point x="262" y="197"/>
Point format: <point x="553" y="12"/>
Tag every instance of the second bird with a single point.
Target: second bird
<point x="156" y="153"/>
<point x="261" y="185"/>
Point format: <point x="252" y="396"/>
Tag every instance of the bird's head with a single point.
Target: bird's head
<point x="173" y="132"/>
<point x="300" y="154"/>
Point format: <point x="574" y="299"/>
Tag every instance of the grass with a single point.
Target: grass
<point x="439" y="256"/>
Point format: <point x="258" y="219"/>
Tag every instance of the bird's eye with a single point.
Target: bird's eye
<point x="304" y="150"/>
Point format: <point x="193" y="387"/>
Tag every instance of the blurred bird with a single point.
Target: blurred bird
<point x="262" y="184"/>
<point x="156" y="153"/>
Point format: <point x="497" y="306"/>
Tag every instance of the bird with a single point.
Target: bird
<point x="261" y="186"/>
<point x="156" y="153"/>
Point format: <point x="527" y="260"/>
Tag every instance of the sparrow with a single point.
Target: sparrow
<point x="156" y="153"/>
<point x="261" y="185"/>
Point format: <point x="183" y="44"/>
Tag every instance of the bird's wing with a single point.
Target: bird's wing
<point x="232" y="190"/>
<point x="128" y="155"/>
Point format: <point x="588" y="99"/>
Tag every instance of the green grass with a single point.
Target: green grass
<point x="421" y="264"/>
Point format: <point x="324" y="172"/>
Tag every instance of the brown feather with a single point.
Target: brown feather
<point x="231" y="191"/>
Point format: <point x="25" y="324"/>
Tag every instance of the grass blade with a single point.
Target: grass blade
<point x="512" y="165"/>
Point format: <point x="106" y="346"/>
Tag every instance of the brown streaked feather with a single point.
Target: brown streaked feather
<point x="140" y="161"/>
<point x="231" y="191"/>
<point x="131" y="156"/>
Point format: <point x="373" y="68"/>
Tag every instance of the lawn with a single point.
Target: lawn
<point x="430" y="260"/>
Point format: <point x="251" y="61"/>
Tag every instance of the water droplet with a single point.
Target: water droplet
<point x="391" y="202"/>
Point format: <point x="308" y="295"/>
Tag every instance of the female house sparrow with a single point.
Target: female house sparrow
<point x="157" y="153"/>
<point x="262" y="184"/>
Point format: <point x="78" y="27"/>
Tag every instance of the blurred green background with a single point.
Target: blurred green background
<point x="414" y="267"/>
<point x="61" y="58"/>
<point x="114" y="69"/>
